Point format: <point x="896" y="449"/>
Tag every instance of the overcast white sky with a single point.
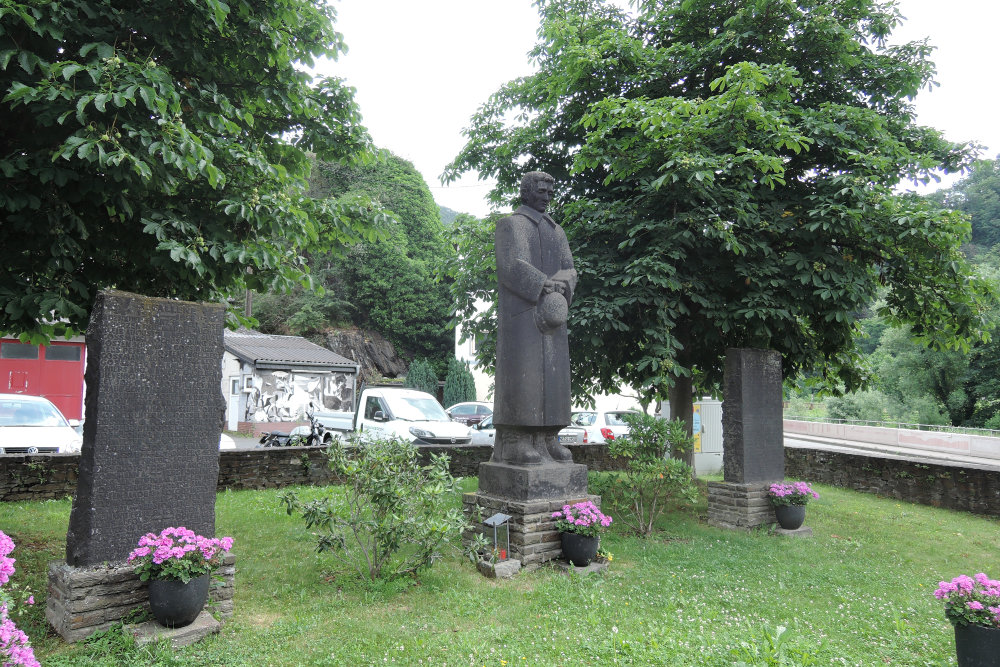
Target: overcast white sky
<point x="421" y="70"/>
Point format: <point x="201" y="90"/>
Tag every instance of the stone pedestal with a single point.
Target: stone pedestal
<point x="739" y="506"/>
<point x="539" y="482"/>
<point x="85" y="600"/>
<point x="534" y="539"/>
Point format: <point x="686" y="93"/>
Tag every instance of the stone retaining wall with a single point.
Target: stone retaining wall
<point x="45" y="476"/>
<point x="953" y="487"/>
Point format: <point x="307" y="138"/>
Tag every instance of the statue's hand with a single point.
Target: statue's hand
<point x="550" y="286"/>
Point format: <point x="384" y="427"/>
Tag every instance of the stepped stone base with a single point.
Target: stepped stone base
<point x="85" y="600"/>
<point x="534" y="539"/>
<point x="739" y="506"/>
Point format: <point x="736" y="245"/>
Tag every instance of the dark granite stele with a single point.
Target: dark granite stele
<point x="753" y="448"/>
<point x="150" y="456"/>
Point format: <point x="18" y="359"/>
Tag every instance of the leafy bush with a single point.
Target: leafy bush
<point x="459" y="385"/>
<point x="392" y="514"/>
<point x="641" y="493"/>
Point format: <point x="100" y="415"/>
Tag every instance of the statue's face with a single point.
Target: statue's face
<point x="541" y="196"/>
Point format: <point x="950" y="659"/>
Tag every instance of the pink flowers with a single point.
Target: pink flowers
<point x="177" y="553"/>
<point x="584" y="518"/>
<point x="971" y="600"/>
<point x="797" y="493"/>
<point x="15" y="648"/>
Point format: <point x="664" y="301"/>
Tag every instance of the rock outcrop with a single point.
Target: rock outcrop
<point x="376" y="355"/>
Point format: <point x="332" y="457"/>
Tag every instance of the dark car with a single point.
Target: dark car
<point x="470" y="413"/>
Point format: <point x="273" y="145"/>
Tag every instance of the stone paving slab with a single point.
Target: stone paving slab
<point x="151" y="631"/>
<point x="801" y="531"/>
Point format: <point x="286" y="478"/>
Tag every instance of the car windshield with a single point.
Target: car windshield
<point x="418" y="409"/>
<point x="615" y="418"/>
<point x="29" y="413"/>
<point x="583" y="418"/>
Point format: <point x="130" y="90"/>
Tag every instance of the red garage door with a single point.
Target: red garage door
<point x="54" y="371"/>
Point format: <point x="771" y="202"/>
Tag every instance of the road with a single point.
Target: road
<point x="891" y="452"/>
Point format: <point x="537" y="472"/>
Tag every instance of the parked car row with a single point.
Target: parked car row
<point x="484" y="433"/>
<point x="601" y="426"/>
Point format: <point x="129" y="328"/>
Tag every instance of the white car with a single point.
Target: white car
<point x="601" y="426"/>
<point x="32" y="425"/>
<point x="484" y="433"/>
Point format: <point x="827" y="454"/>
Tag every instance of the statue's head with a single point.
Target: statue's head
<point x="537" y="189"/>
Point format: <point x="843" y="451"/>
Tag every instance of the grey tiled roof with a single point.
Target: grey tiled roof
<point x="256" y="347"/>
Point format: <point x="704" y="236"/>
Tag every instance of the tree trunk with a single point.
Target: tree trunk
<point x="681" y="394"/>
<point x="681" y="399"/>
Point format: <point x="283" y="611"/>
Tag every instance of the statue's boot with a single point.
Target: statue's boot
<point x="555" y="450"/>
<point x="519" y="450"/>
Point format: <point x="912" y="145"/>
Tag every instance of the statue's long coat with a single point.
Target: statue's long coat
<point x="532" y="371"/>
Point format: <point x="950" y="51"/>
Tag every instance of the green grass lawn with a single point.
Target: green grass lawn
<point x="858" y="593"/>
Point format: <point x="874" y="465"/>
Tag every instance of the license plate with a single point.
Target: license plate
<point x="567" y="438"/>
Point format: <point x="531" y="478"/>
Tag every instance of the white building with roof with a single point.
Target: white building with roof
<point x="269" y="378"/>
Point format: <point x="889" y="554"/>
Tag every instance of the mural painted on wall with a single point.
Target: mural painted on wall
<point x="285" y="396"/>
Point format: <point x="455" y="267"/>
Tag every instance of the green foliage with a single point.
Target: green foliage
<point x="978" y="196"/>
<point x="642" y="492"/>
<point x="388" y="285"/>
<point x="773" y="650"/>
<point x="421" y="376"/>
<point x="393" y="514"/>
<point x="459" y="385"/>
<point x="727" y="177"/>
<point x="161" y="147"/>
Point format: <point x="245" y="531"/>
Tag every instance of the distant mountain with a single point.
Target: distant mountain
<point x="448" y="215"/>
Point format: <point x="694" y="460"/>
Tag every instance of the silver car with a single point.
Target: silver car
<point x="32" y="425"/>
<point x="484" y="433"/>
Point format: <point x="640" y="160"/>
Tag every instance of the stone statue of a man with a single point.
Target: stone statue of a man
<point x="536" y="282"/>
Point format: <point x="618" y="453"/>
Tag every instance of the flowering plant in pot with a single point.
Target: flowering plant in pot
<point x="789" y="501"/>
<point x="796" y="493"/>
<point x="580" y="527"/>
<point x="177" y="564"/>
<point x="972" y="604"/>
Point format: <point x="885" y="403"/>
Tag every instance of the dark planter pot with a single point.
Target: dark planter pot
<point x="579" y="549"/>
<point x="790" y="517"/>
<point x="175" y="604"/>
<point x="977" y="645"/>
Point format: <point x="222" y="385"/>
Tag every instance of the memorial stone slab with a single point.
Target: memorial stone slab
<point x="150" y="456"/>
<point x="753" y="448"/>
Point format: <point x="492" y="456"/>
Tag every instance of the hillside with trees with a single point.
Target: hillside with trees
<point x="386" y="285"/>
<point x="914" y="383"/>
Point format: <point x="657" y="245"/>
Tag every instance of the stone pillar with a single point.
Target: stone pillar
<point x="150" y="456"/>
<point x="753" y="440"/>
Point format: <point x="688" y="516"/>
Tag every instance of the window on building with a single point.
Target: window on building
<point x="18" y="351"/>
<point x="63" y="353"/>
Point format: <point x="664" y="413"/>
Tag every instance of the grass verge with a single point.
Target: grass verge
<point x="858" y="593"/>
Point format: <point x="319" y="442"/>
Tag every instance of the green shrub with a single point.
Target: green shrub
<point x="392" y="514"/>
<point x="641" y="493"/>
<point x="421" y="376"/>
<point x="459" y="385"/>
